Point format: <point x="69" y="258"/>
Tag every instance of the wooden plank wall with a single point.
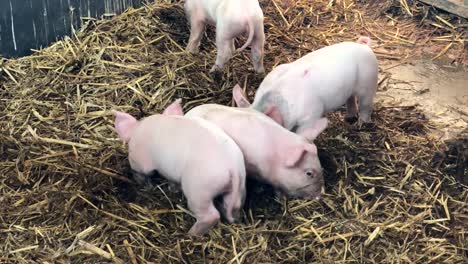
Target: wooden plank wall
<point x="457" y="7"/>
<point x="32" y="24"/>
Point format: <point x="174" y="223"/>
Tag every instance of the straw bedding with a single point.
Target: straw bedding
<point x="394" y="193"/>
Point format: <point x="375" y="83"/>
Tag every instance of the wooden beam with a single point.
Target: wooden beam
<point x="449" y="6"/>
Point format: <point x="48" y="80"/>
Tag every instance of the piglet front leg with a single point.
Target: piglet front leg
<point x="197" y="27"/>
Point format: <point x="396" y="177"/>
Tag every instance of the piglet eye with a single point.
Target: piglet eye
<point x="309" y="173"/>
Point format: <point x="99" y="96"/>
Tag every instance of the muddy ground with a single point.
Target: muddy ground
<point x="439" y="89"/>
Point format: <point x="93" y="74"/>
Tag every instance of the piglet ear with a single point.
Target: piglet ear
<point x="311" y="148"/>
<point x="124" y="125"/>
<point x="311" y="133"/>
<point x="174" y="109"/>
<point x="274" y="113"/>
<point x="293" y="155"/>
<point x="239" y="98"/>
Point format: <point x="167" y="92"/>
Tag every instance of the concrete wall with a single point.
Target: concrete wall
<point x="32" y="24"/>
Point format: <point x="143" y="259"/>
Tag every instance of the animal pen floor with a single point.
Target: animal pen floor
<point x="396" y="189"/>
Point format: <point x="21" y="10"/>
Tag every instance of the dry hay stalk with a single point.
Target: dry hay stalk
<point x="65" y="187"/>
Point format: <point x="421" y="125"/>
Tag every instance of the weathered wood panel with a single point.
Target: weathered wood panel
<point x="457" y="7"/>
<point x="32" y="24"/>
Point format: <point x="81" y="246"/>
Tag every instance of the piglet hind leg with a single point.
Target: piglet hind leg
<point x="351" y="110"/>
<point x="257" y="50"/>
<point x="367" y="87"/>
<point x="206" y="213"/>
<point x="233" y="46"/>
<point x="232" y="203"/>
<point x="365" y="108"/>
<point x="142" y="179"/>
<point x="224" y="47"/>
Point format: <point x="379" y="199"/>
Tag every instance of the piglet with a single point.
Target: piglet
<point x="232" y="18"/>
<point x="298" y="94"/>
<point x="273" y="155"/>
<point x="191" y="152"/>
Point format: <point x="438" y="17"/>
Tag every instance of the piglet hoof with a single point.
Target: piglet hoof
<point x="230" y="220"/>
<point x="191" y="49"/>
<point x="142" y="180"/>
<point x="363" y="120"/>
<point x="233" y="216"/>
<point x="147" y="185"/>
<point x="351" y="119"/>
<point x="200" y="229"/>
<point x="260" y="70"/>
<point x="172" y="187"/>
<point x="365" y="126"/>
<point x="236" y="216"/>
<point x="215" y="69"/>
<point x="197" y="230"/>
<point x="195" y="234"/>
<point x="216" y="74"/>
<point x="279" y="194"/>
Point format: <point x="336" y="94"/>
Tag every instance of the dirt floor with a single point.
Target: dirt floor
<point x="396" y="189"/>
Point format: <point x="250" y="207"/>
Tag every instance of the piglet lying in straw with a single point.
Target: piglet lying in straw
<point x="192" y="152"/>
<point x="232" y="18"/>
<point x="298" y="94"/>
<point x="272" y="154"/>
